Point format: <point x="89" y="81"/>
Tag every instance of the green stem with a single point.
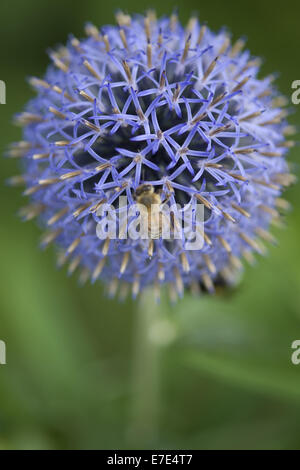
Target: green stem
<point x="145" y="380"/>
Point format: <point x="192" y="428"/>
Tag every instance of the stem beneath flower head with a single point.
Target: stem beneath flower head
<point x="145" y="372"/>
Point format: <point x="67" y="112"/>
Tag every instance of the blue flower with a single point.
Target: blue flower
<point x="178" y="111"/>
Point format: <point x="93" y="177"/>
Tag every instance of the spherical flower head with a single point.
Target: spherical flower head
<point x="156" y="112"/>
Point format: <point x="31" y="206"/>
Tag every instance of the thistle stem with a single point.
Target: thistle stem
<point x="145" y="372"/>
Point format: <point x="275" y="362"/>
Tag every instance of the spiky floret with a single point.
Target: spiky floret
<point x="148" y="101"/>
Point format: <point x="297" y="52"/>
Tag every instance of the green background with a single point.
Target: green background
<point x="217" y="372"/>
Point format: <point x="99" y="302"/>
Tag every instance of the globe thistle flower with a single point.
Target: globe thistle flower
<point x="180" y="110"/>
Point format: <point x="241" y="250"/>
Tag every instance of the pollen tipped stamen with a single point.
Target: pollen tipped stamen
<point x="238" y="177"/>
<point x="173" y="21"/>
<point x="105" y="246"/>
<point x="251" y="63"/>
<point x="113" y="287"/>
<point x="250" y="116"/>
<point x="102" y="167"/>
<point x="191" y="24"/>
<point x="90" y="125"/>
<point x="249" y="257"/>
<point x="123" y="292"/>
<point x="224" y="243"/>
<point x="271" y="154"/>
<point x="74" y="264"/>
<point x="19" y="149"/>
<point x="25" y="119"/>
<point x="176" y="93"/>
<point x="106" y="43"/>
<point x="178" y="281"/>
<point x="269" y="210"/>
<point x="209" y="69"/>
<point x="98" y="269"/>
<point x="162" y="81"/>
<point x="276" y="120"/>
<point x="40" y="156"/>
<point x="63" y="143"/>
<point x="127" y="71"/>
<point x="266" y="184"/>
<point x="93" y="31"/>
<point x="186" y="49"/>
<point x="49" y="237"/>
<point x="241" y="210"/>
<point x="157" y="293"/>
<point x="184" y="262"/>
<point x="147" y="28"/>
<point x="57" y="113"/>
<point x="252" y="243"/>
<point x="70" y="175"/>
<point x="279" y="102"/>
<point x="244" y="150"/>
<point x="287" y="144"/>
<point x="91" y="69"/>
<point x="84" y="276"/>
<point x="125" y="262"/>
<point x="208" y="283"/>
<point x="65" y="94"/>
<point x="289" y="130"/>
<point x="220" y="129"/>
<point x="217" y="99"/>
<point x="237" y="47"/>
<point x="204" y="201"/>
<point x="123" y="38"/>
<point x="204" y="236"/>
<point x="48" y="181"/>
<point x="201" y="34"/>
<point x="224" y="46"/>
<point x="265" y="235"/>
<point x="150" y="248"/>
<point x="59" y="63"/>
<point x="81" y="209"/>
<point x="31" y="211"/>
<point x="161" y="272"/>
<point x="240" y="85"/>
<point x="160" y="40"/>
<point x="210" y="265"/>
<point x="136" y="286"/>
<point x="282" y="204"/>
<point x="57" y="216"/>
<point x="76" y="44"/>
<point x="32" y="190"/>
<point x="72" y="247"/>
<point x="149" y="55"/>
<point x="235" y="262"/>
<point x="285" y="179"/>
<point x="86" y="96"/>
<point x="227" y="215"/>
<point x="37" y="83"/>
<point x="96" y="206"/>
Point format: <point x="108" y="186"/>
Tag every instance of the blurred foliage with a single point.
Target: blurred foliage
<point x="225" y="375"/>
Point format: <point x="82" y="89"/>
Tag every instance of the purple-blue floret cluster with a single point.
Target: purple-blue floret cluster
<point x="150" y="102"/>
